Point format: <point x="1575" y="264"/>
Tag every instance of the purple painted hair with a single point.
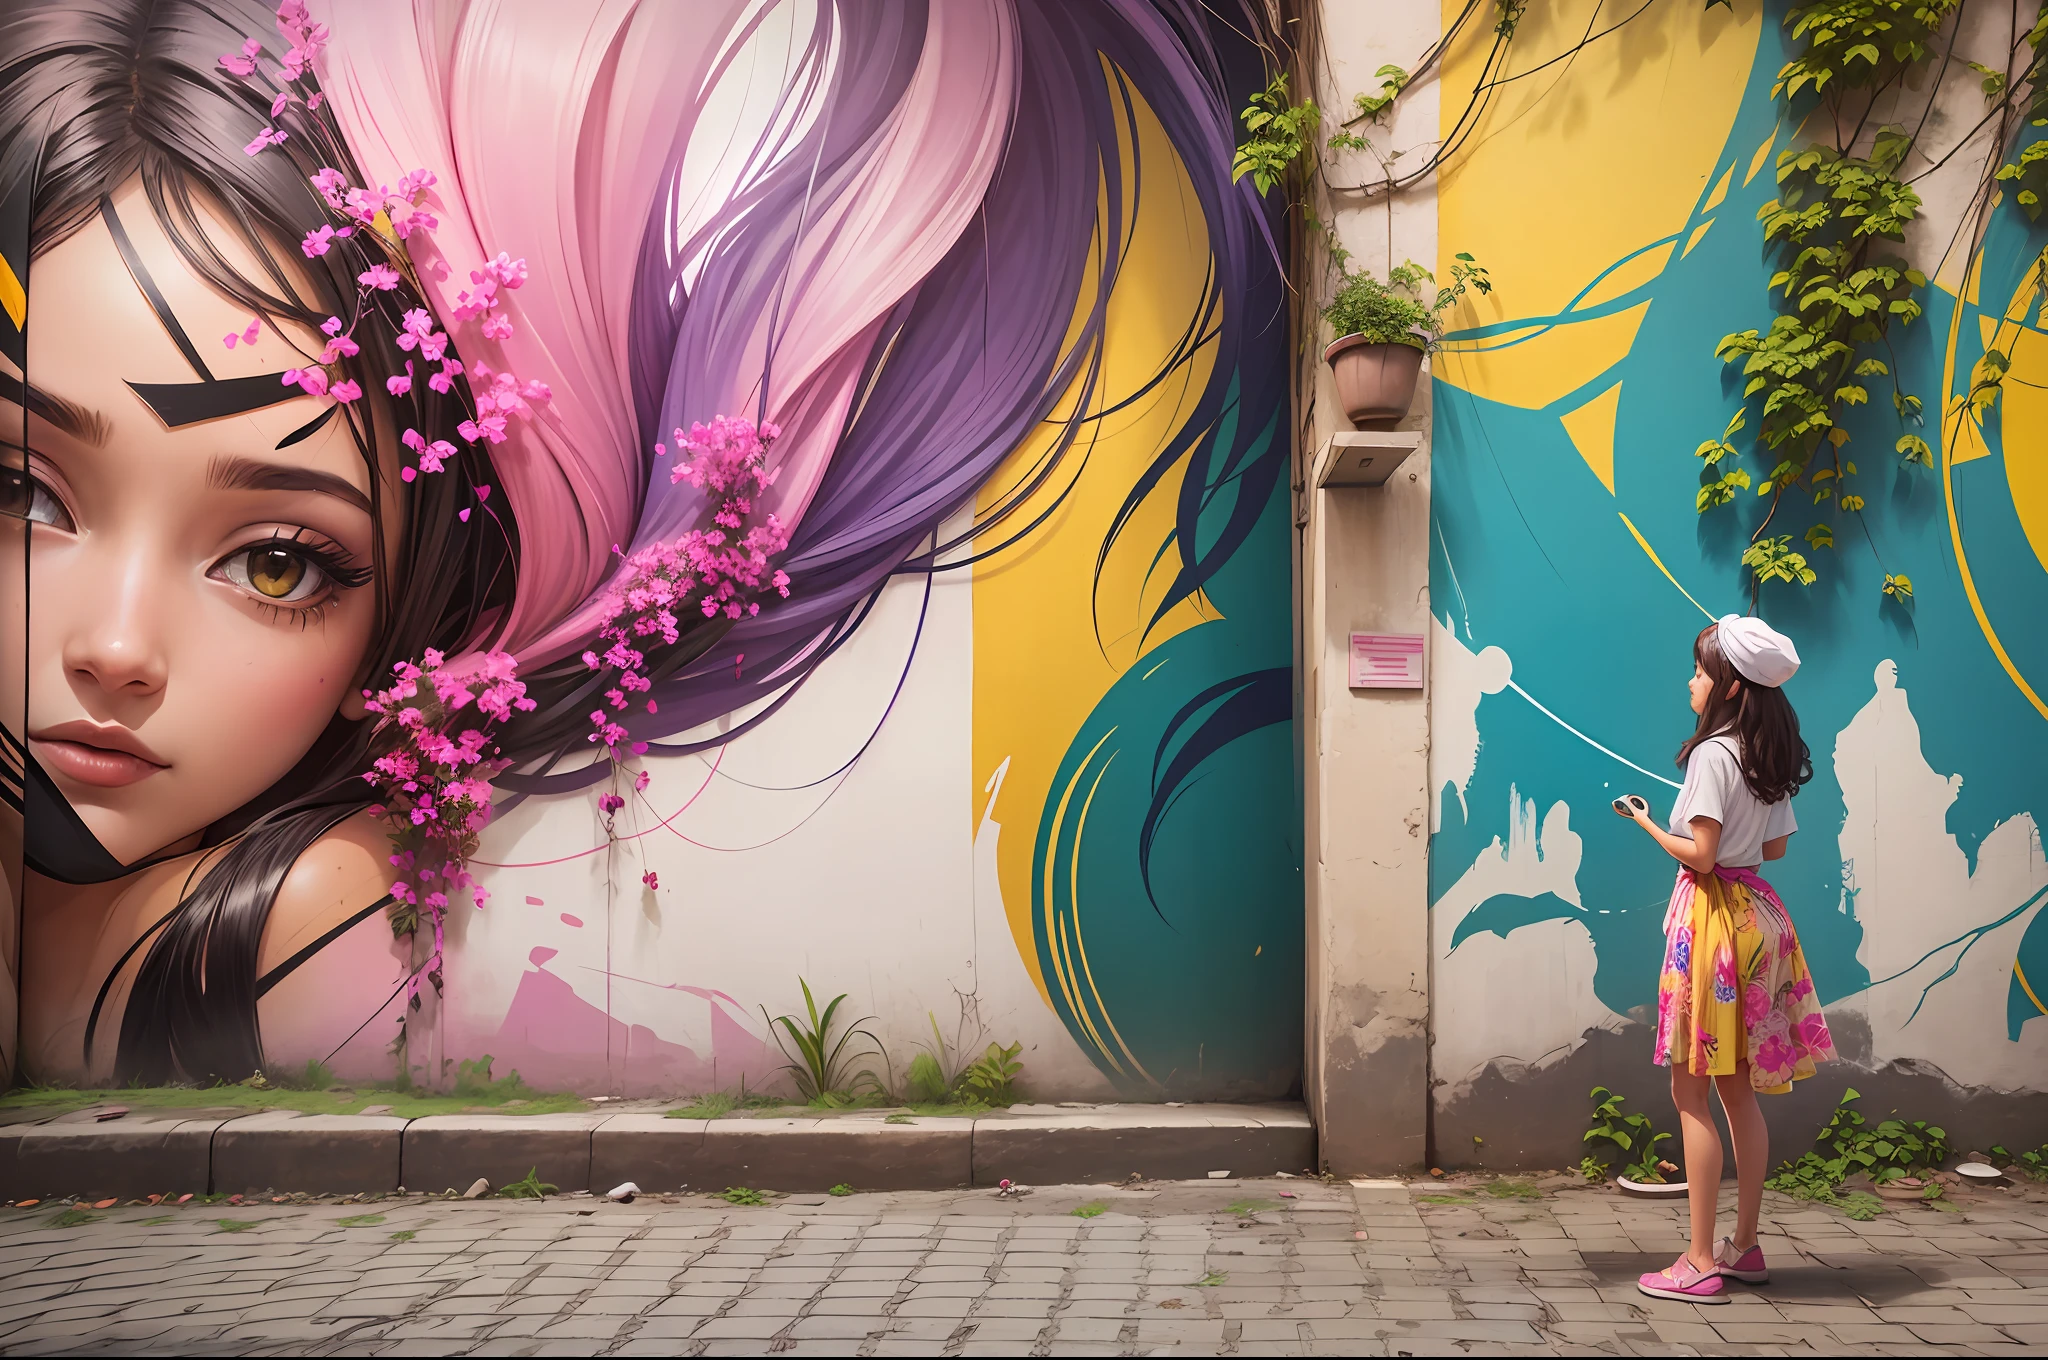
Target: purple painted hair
<point x="886" y="261"/>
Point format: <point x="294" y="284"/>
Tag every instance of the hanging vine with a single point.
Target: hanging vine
<point x="1841" y="292"/>
<point x="1835" y="232"/>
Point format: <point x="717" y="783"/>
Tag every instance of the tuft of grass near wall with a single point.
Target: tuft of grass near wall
<point x="311" y="1090"/>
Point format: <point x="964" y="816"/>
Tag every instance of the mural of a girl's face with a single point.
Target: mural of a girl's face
<point x="199" y="600"/>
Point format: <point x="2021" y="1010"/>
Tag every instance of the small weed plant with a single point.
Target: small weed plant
<point x="359" y="1221"/>
<point x="72" y="1218"/>
<point x="741" y="1195"/>
<point x="1592" y="1168"/>
<point x="2033" y="1165"/>
<point x="405" y="1235"/>
<point x="842" y="1190"/>
<point x="530" y="1186"/>
<point x="992" y="1078"/>
<point x="820" y="1064"/>
<point x="1849" y="1145"/>
<point x="1095" y="1210"/>
<point x="473" y="1081"/>
<point x="1631" y="1134"/>
<point x="234" y="1225"/>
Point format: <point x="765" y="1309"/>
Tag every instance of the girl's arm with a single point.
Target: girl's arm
<point x="1696" y="854"/>
<point x="1775" y="849"/>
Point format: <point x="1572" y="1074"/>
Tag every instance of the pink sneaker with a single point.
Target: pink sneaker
<point x="1746" y="1266"/>
<point x="1685" y="1282"/>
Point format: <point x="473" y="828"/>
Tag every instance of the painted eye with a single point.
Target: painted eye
<point x="24" y="497"/>
<point x="277" y="573"/>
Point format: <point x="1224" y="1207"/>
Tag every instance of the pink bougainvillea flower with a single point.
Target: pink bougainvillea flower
<point x="313" y="381"/>
<point x="270" y="136"/>
<point x="318" y="241"/>
<point x="398" y="384"/>
<point x="379" y="276"/>
<point x="345" y="391"/>
<point x="280" y="104"/>
<point x="243" y="63"/>
<point x="651" y="881"/>
<point x="247" y="335"/>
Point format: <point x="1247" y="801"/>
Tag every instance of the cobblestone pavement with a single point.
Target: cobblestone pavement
<point x="1255" y="1268"/>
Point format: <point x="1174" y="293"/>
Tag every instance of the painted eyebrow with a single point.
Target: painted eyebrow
<point x="248" y="474"/>
<point x="81" y="423"/>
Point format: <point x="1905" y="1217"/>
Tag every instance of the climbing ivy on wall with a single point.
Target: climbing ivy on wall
<point x="1840" y="289"/>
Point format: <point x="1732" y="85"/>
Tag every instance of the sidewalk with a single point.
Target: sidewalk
<point x="1269" y="1267"/>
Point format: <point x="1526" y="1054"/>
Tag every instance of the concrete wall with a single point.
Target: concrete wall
<point x="1363" y="567"/>
<point x="1614" y="198"/>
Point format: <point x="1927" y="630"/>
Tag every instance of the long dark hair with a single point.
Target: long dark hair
<point x="1774" y="758"/>
<point x="94" y="93"/>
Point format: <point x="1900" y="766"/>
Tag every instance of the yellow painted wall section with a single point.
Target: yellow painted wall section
<point x="1043" y="658"/>
<point x="1645" y="111"/>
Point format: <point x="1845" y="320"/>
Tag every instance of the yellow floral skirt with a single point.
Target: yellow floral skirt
<point x="1735" y="986"/>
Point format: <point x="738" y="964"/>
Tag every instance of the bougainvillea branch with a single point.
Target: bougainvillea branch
<point x="433" y="783"/>
<point x="724" y="569"/>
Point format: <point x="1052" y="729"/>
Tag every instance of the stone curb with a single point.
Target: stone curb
<point x="347" y="1154"/>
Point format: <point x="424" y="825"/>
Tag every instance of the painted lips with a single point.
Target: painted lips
<point x="106" y="759"/>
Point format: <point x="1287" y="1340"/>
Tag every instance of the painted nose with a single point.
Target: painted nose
<point x="119" y="646"/>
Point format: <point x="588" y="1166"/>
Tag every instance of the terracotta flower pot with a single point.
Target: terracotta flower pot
<point x="1375" y="383"/>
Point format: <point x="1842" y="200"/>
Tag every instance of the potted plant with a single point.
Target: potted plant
<point x="1383" y="330"/>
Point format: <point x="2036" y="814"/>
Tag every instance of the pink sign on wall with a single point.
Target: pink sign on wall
<point x="1386" y="661"/>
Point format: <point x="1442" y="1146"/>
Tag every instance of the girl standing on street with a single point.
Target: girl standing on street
<point x="1736" y="1010"/>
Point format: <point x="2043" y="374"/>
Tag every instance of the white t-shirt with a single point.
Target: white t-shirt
<point x="1714" y="787"/>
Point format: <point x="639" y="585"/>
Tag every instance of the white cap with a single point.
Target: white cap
<point x="1760" y="653"/>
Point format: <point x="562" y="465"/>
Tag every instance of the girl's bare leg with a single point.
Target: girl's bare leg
<point x="1752" y="1141"/>
<point x="1702" y="1142"/>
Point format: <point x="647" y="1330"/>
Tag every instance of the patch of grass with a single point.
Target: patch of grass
<point x="404" y="1235"/>
<point x="1444" y="1199"/>
<point x="899" y="1119"/>
<point x="359" y="1221"/>
<point x="717" y="1105"/>
<point x="842" y="1189"/>
<point x="314" y="1076"/>
<point x="71" y="1218"/>
<point x="157" y="1222"/>
<point x="1094" y="1210"/>
<point x="741" y="1195"/>
<point x="234" y="1225"/>
<point x="1245" y="1208"/>
<point x="406" y="1104"/>
<point x="1213" y="1280"/>
<point x="1861" y="1207"/>
<point x="530" y="1186"/>
<point x="960" y="1107"/>
<point x="1513" y="1189"/>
